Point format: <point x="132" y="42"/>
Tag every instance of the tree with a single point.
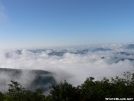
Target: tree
<point x="90" y="90"/>
<point x="116" y="87"/>
<point x="17" y="93"/>
<point x="64" y="92"/>
<point x="2" y="97"/>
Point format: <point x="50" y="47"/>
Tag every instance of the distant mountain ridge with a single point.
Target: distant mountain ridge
<point x="130" y="46"/>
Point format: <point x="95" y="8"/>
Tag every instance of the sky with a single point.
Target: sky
<point x="54" y="23"/>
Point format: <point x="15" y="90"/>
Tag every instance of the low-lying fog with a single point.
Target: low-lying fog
<point x="72" y="64"/>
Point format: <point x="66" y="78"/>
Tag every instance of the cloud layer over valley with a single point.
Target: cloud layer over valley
<point x="71" y="64"/>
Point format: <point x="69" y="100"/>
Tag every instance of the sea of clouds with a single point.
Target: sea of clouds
<point x="73" y="64"/>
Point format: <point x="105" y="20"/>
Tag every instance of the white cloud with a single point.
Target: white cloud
<point x="74" y="68"/>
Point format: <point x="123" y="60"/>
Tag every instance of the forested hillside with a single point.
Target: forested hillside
<point x="90" y="90"/>
<point x="30" y="79"/>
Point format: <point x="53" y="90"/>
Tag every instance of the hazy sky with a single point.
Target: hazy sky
<point x="46" y="23"/>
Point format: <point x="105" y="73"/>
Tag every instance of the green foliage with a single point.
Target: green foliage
<point x="90" y="90"/>
<point x="64" y="92"/>
<point x="17" y="93"/>
<point x="2" y="96"/>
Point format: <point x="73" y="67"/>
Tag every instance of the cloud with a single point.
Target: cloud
<point x="73" y="66"/>
<point x="5" y="77"/>
<point x="3" y="15"/>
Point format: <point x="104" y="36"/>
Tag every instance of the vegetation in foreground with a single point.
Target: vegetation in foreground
<point x="90" y="90"/>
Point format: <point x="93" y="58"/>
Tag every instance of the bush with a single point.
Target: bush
<point x="90" y="90"/>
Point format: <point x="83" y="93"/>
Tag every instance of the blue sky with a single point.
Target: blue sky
<point x="52" y="23"/>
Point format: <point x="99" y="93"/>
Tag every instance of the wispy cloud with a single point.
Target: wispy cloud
<point x="3" y="15"/>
